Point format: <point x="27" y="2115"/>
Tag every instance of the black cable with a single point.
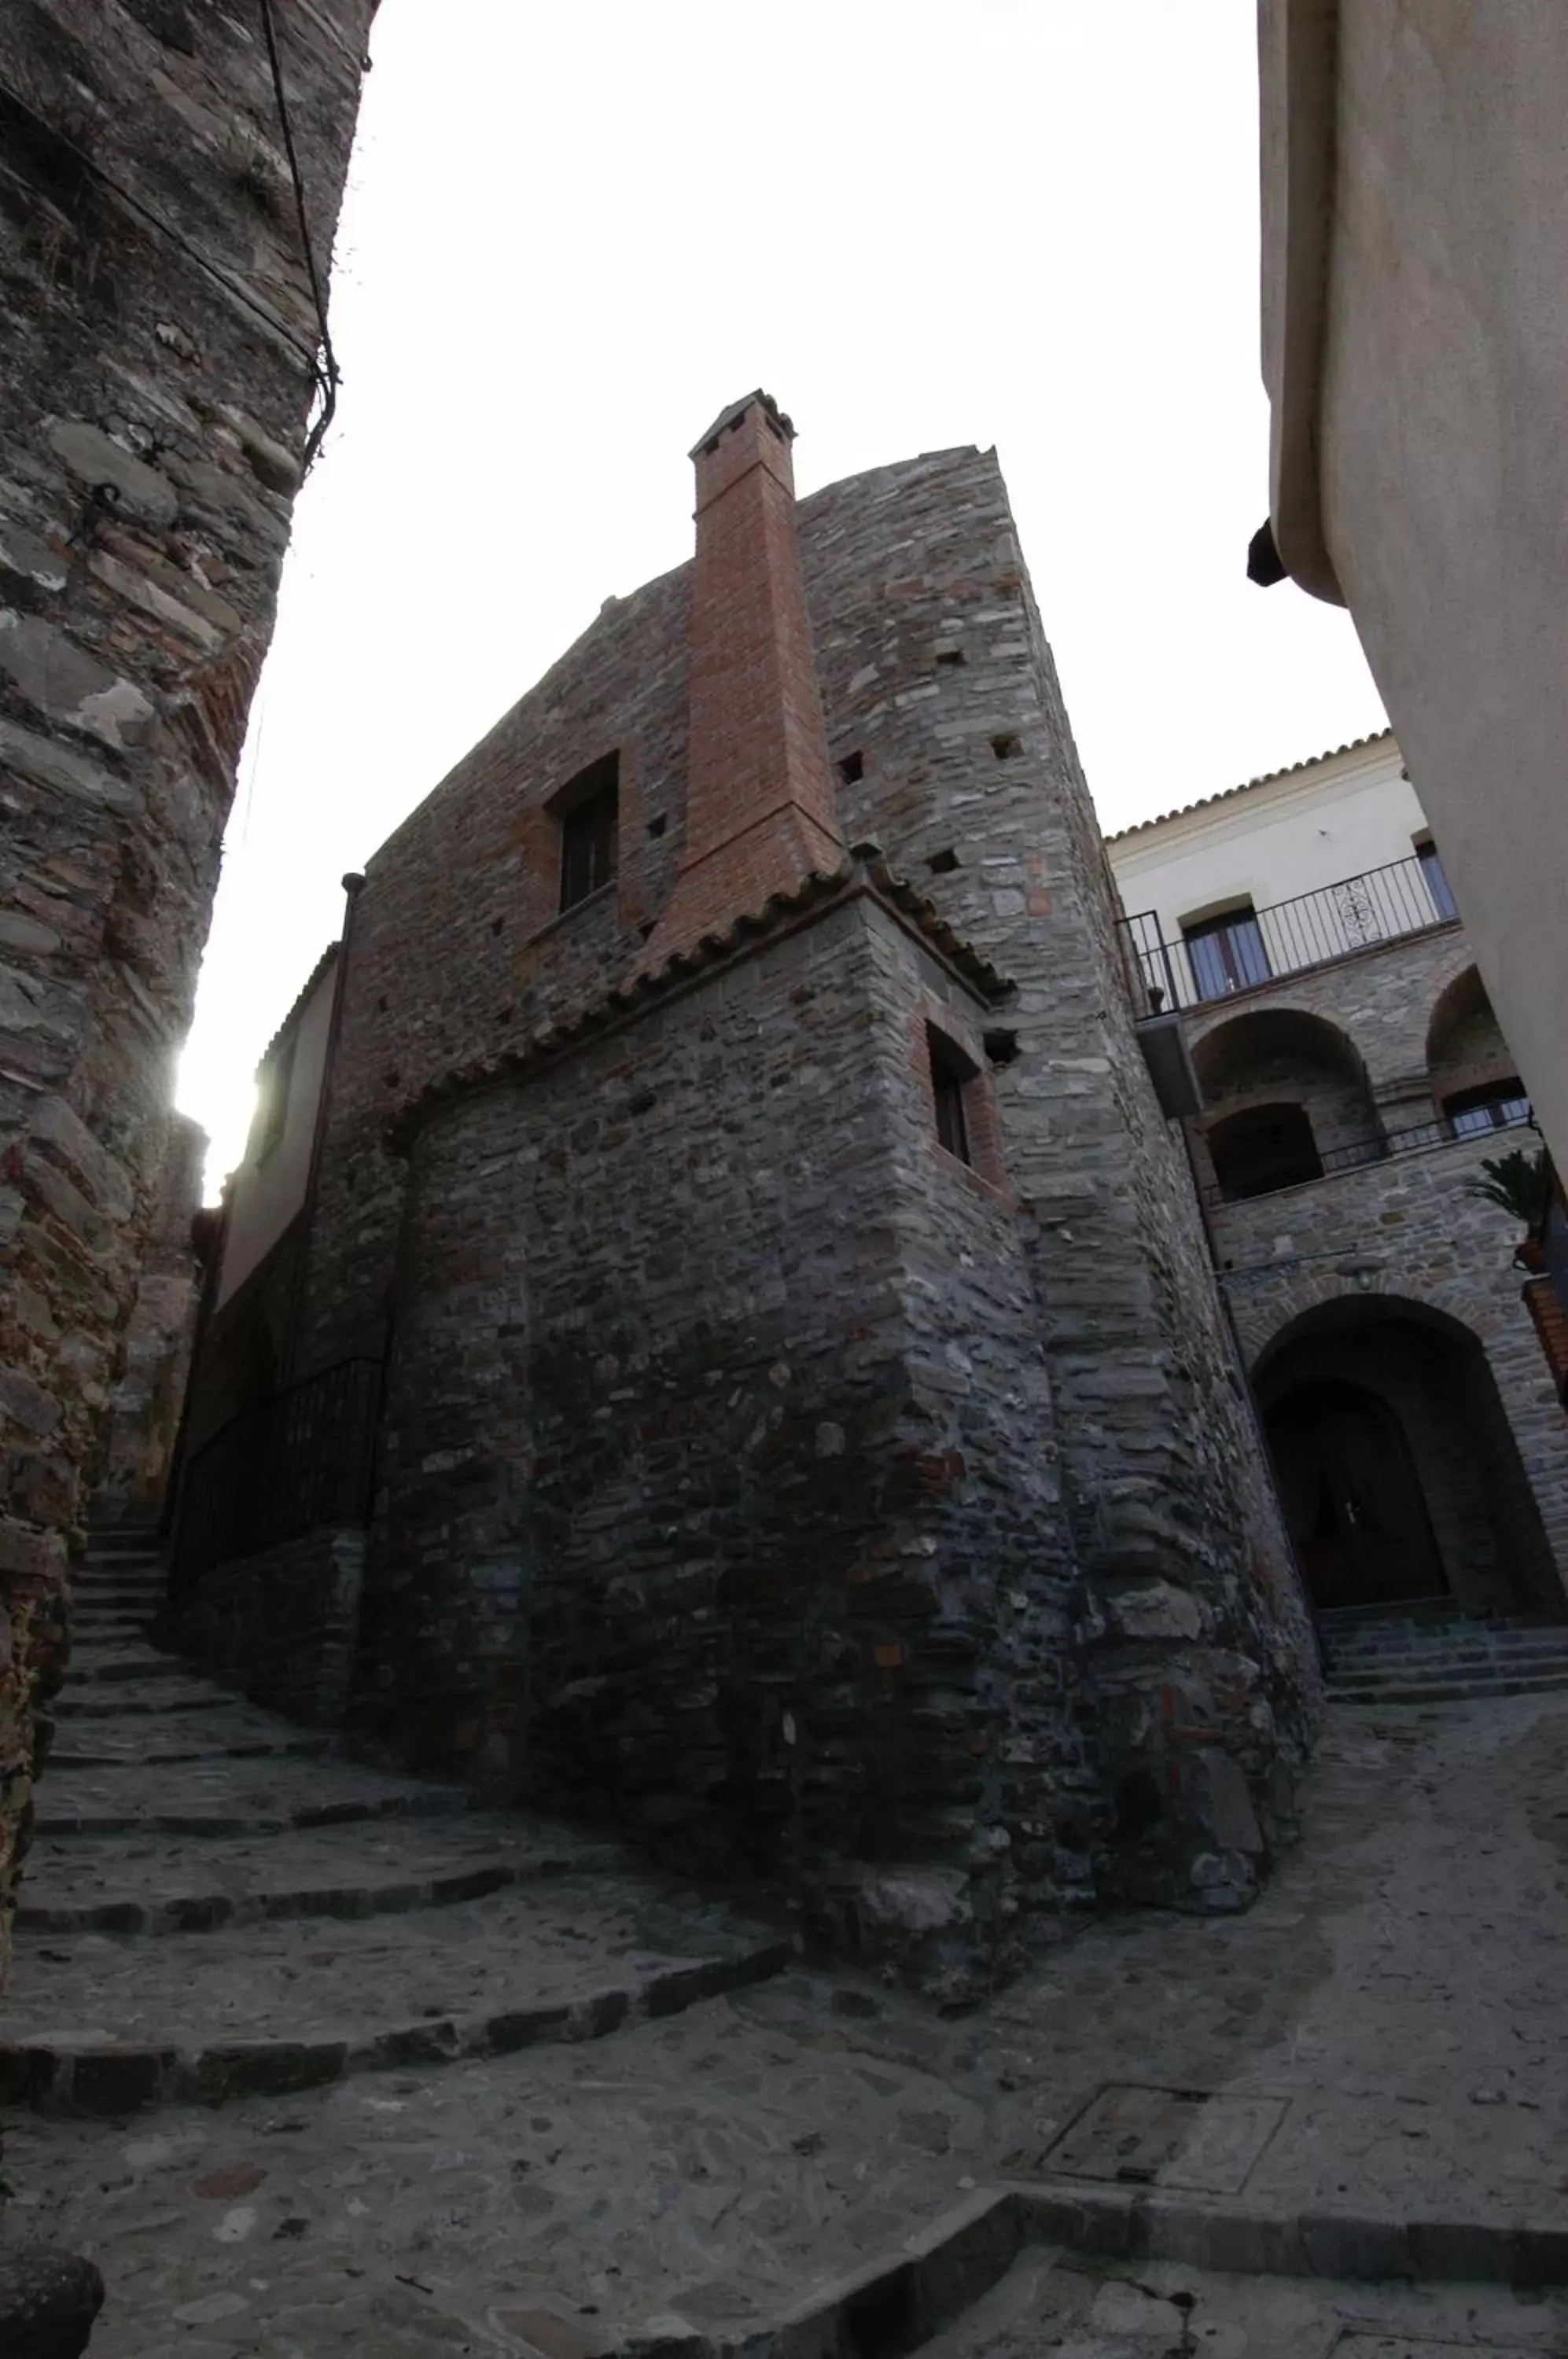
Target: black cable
<point x="326" y="366"/>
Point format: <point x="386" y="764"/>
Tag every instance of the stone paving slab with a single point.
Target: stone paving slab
<point x="108" y="2024"/>
<point x="169" y="1885"/>
<point x="231" y="1795"/>
<point x="702" y="2166"/>
<point x="1396" y="2000"/>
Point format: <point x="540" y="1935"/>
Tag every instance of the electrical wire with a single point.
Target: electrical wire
<point x="324" y="364"/>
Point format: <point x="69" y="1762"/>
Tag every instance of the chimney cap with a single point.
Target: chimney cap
<point x="733" y="416"/>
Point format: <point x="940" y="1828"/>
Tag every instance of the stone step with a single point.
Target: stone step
<point x="120" y="1738"/>
<point x="100" y="1665"/>
<point x="1447" y="1666"/>
<point x="276" y="2007"/>
<point x="159" y="1884"/>
<point x="87" y="1701"/>
<point x="1397" y="1658"/>
<point x="230" y="1797"/>
<point x="1451" y="1691"/>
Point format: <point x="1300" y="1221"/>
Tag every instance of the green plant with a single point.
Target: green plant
<point x="1519" y="1183"/>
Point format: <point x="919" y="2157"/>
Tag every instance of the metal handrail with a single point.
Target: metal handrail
<point x="1382" y="905"/>
<point x="297" y="1460"/>
<point x="1375" y="1147"/>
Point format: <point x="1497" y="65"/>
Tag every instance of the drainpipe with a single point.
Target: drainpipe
<point x="352" y="885"/>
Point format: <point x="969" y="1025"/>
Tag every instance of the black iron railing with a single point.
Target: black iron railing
<point x="291" y="1464"/>
<point x="1375" y="1148"/>
<point x="1248" y="951"/>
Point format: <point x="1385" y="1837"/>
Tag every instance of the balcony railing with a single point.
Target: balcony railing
<point x="1256" y="945"/>
<point x="291" y="1464"/>
<point x="1375" y="1148"/>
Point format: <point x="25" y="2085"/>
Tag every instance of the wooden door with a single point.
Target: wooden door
<point x="1352" y="1497"/>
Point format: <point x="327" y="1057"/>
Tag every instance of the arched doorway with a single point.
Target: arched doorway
<point x="1398" y="1472"/>
<point x="1352" y="1496"/>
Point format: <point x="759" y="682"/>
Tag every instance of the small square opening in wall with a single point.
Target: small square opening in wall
<point x="950" y="658"/>
<point x="1006" y="746"/>
<point x="951" y="1072"/>
<point x="851" y="768"/>
<point x="943" y="863"/>
<point x="656" y="827"/>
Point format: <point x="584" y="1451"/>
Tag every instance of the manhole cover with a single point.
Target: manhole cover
<point x="1167" y="2137"/>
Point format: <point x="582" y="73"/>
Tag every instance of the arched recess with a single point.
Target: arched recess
<point x="1285" y="1094"/>
<point x="1398" y="1470"/>
<point x="1474" y="1082"/>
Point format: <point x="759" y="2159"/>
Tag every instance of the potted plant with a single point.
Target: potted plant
<point x="1519" y="1183"/>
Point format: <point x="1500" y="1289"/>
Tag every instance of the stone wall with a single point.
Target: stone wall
<point x="937" y="672"/>
<point x="1404" y="1230"/>
<point x="130" y="1475"/>
<point x="282" y="1625"/>
<point x="1186" y="1655"/>
<point x="160" y="341"/>
<point x="719" y="1495"/>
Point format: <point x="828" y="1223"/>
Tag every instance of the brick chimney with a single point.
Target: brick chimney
<point x="760" y="812"/>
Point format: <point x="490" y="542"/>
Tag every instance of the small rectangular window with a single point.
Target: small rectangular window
<point x="950" y="1074"/>
<point x="588" y="807"/>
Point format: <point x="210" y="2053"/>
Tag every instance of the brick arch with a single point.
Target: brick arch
<point x="1263" y="1326"/>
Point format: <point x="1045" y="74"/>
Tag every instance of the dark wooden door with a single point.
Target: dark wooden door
<point x="1352" y="1497"/>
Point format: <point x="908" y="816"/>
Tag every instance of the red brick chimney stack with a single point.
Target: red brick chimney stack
<point x="760" y="813"/>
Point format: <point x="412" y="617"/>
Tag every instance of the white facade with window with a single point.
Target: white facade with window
<point x="1266" y="879"/>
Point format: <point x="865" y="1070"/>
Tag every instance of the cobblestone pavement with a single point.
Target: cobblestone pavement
<point x="674" y="2143"/>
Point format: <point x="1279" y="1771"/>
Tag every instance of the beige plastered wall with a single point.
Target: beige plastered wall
<point x="1415" y="337"/>
<point x="266" y="1195"/>
<point x="1313" y="827"/>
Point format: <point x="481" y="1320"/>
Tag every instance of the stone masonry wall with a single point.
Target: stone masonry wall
<point x="159" y="341"/>
<point x="1405" y="1227"/>
<point x="127" y="1482"/>
<point x="282" y="1625"/>
<point x="937" y="673"/>
<point x="720" y="1490"/>
<point x="1405" y="1230"/>
<point x="936" y="676"/>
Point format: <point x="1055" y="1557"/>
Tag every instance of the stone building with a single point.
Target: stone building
<point x="712" y="1330"/>
<point x="162" y="340"/>
<point x="1353" y="1079"/>
<point x="1414" y="274"/>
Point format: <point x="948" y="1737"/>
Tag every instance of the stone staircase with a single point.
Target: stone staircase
<point x="1436" y="1654"/>
<point x="219" y="1904"/>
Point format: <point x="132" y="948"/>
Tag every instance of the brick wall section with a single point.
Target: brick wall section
<point x="159" y="335"/>
<point x="760" y="813"/>
<point x="1549" y="1320"/>
<point x="1189" y="1664"/>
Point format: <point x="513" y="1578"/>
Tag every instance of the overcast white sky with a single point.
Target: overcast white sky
<point x="574" y="229"/>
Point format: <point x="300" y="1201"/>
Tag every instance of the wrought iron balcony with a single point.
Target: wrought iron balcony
<point x="1249" y="947"/>
<point x="1416" y="1138"/>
